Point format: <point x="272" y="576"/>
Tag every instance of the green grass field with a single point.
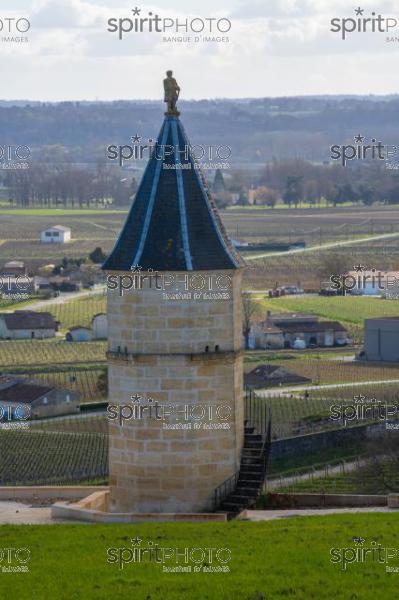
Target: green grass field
<point x="269" y="561"/>
<point x="348" y="310"/>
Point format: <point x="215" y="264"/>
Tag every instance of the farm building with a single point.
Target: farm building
<point x="296" y="330"/>
<point x="41" y="283"/>
<point x="79" y="334"/>
<point x="14" y="267"/>
<point x="381" y="339"/>
<point x="264" y="376"/>
<point x="57" y="233"/>
<point x="38" y="399"/>
<point x="23" y="324"/>
<point x="100" y="326"/>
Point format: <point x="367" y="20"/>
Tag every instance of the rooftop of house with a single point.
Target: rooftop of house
<point x="6" y="380"/>
<point x="311" y="327"/>
<point x="268" y="327"/>
<point x="22" y="391"/>
<point x="101" y="314"/>
<point x="173" y="224"/>
<point x="272" y="374"/>
<point x="382" y="319"/>
<point x="58" y="228"/>
<point x="14" y="264"/>
<point x="28" y="319"/>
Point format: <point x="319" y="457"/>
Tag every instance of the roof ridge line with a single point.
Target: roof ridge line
<point x="182" y="200"/>
<point x="151" y="202"/>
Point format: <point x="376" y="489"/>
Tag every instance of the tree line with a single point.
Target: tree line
<point x="291" y="181"/>
<point x="67" y="185"/>
<point x="297" y="181"/>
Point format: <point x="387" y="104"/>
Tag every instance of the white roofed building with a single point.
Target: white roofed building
<point x="56" y="234"/>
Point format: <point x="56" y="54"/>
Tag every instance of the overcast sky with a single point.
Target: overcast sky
<point x="275" y="48"/>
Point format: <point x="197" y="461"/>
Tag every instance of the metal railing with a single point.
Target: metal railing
<point x="225" y="489"/>
<point x="256" y="412"/>
<point x="258" y="416"/>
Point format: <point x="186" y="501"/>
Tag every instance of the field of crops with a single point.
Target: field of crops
<point x="82" y="381"/>
<point x="313" y="226"/>
<point x="20" y="233"/>
<point x="79" y="311"/>
<point x="325" y="368"/>
<point x="303" y="269"/>
<point x="299" y="415"/>
<point x="8" y="304"/>
<point x="36" y="253"/>
<point x="340" y="371"/>
<point x="80" y="424"/>
<point x="51" y="458"/>
<point x="384" y="393"/>
<point x="20" y="225"/>
<point x="378" y="476"/>
<point x="49" y="352"/>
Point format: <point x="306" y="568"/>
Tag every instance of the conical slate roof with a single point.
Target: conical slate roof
<point x="173" y="224"/>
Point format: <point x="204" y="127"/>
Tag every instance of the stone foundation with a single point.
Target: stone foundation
<point x="95" y="508"/>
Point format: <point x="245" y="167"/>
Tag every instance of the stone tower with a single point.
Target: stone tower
<point x="178" y="345"/>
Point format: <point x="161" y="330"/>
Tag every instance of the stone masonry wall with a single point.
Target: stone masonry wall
<point x="153" y="466"/>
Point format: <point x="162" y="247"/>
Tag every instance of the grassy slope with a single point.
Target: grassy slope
<point x="347" y="309"/>
<point x="270" y="561"/>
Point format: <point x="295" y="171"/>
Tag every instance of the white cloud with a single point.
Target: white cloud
<point x="276" y="47"/>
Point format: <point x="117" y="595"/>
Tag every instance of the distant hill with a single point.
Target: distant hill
<point x="257" y="130"/>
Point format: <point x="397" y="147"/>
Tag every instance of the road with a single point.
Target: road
<point x="328" y="386"/>
<point x="339" y="244"/>
<point x="61" y="299"/>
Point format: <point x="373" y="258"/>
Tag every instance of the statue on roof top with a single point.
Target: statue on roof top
<point x="172" y="91"/>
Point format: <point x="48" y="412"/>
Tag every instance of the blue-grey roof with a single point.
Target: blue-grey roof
<point x="173" y="224"/>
